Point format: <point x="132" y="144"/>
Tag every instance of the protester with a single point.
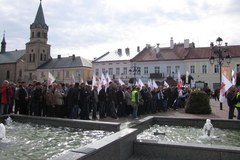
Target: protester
<point x="231" y="100"/>
<point x="6" y="92"/>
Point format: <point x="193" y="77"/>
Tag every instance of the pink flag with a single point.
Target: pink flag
<point x="225" y="85"/>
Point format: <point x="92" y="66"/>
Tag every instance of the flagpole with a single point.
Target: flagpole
<point x="220" y="64"/>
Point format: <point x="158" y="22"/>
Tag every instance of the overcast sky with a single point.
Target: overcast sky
<point x="90" y="28"/>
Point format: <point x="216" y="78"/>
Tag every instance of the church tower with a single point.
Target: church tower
<point x="37" y="49"/>
<point x="3" y="44"/>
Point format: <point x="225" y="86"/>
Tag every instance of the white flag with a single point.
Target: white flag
<point x="140" y="83"/>
<point x="166" y="84"/>
<point x="73" y="80"/>
<point x="187" y="75"/>
<point x="225" y="85"/>
<point x="154" y="84"/>
<point x="95" y="81"/>
<point x="234" y="77"/>
<point x="51" y="79"/>
<point x="108" y="79"/>
<point x="150" y="85"/>
<point x="103" y="80"/>
<point x="120" y="81"/>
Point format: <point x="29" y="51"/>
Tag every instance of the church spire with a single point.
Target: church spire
<point x="39" y="19"/>
<point x="3" y="44"/>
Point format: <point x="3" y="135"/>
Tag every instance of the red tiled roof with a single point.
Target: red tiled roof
<point x="181" y="53"/>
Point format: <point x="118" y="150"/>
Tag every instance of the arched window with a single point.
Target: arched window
<point x="33" y="58"/>
<point x="45" y="57"/>
<point x="20" y="73"/>
<point x="30" y="57"/>
<point x="41" y="57"/>
<point x="8" y="74"/>
<point x="38" y="34"/>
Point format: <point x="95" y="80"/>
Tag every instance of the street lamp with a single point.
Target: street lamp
<point x="135" y="70"/>
<point x="219" y="53"/>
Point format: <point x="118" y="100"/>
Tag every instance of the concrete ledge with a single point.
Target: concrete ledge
<point x="169" y="151"/>
<point x="182" y="151"/>
<point x="118" y="146"/>
<point x="73" y="123"/>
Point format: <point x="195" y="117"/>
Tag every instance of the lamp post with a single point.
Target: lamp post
<point x="135" y="70"/>
<point x="219" y="52"/>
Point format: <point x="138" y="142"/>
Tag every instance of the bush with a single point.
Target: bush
<point x="198" y="103"/>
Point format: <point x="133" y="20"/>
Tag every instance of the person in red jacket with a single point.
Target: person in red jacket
<point x="6" y="92"/>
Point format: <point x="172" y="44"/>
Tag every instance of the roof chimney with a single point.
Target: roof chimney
<point x="171" y="43"/>
<point x="186" y="43"/>
<point x="127" y="51"/>
<point x="138" y="48"/>
<point x="73" y="57"/>
<point x="157" y="48"/>
<point x="119" y="52"/>
<point x="59" y="56"/>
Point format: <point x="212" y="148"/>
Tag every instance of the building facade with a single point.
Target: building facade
<point x="155" y="62"/>
<point x="35" y="61"/>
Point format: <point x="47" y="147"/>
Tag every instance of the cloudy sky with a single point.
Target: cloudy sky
<point x="90" y="28"/>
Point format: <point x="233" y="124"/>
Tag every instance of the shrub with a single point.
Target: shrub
<point x="198" y="103"/>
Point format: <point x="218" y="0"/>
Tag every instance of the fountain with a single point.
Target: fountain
<point x="208" y="129"/>
<point x="187" y="138"/>
<point x="2" y="131"/>
<point x="31" y="137"/>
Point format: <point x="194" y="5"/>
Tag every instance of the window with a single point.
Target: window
<point x="156" y="69"/>
<point x="125" y="70"/>
<point x="204" y="69"/>
<point x="177" y="69"/>
<point x="238" y="68"/>
<point x="117" y="71"/>
<point x="42" y="74"/>
<point x="30" y="57"/>
<point x="169" y="70"/>
<point x="41" y="57"/>
<point x="103" y="70"/>
<point x="8" y="75"/>
<point x="30" y="75"/>
<point x="97" y="72"/>
<point x="38" y="35"/>
<point x="216" y="68"/>
<point x="145" y="70"/>
<point x="33" y="58"/>
<point x="32" y="34"/>
<point x="67" y="74"/>
<point x="138" y="70"/>
<point x="45" y="57"/>
<point x="110" y="71"/>
<point x="20" y="73"/>
<point x="58" y="74"/>
<point x="192" y="69"/>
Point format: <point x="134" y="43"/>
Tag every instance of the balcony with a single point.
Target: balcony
<point x="156" y="75"/>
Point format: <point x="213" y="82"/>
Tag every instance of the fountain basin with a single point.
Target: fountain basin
<point x="151" y="149"/>
<point x="118" y="146"/>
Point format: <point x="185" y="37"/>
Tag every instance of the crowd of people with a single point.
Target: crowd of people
<point x="81" y="101"/>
